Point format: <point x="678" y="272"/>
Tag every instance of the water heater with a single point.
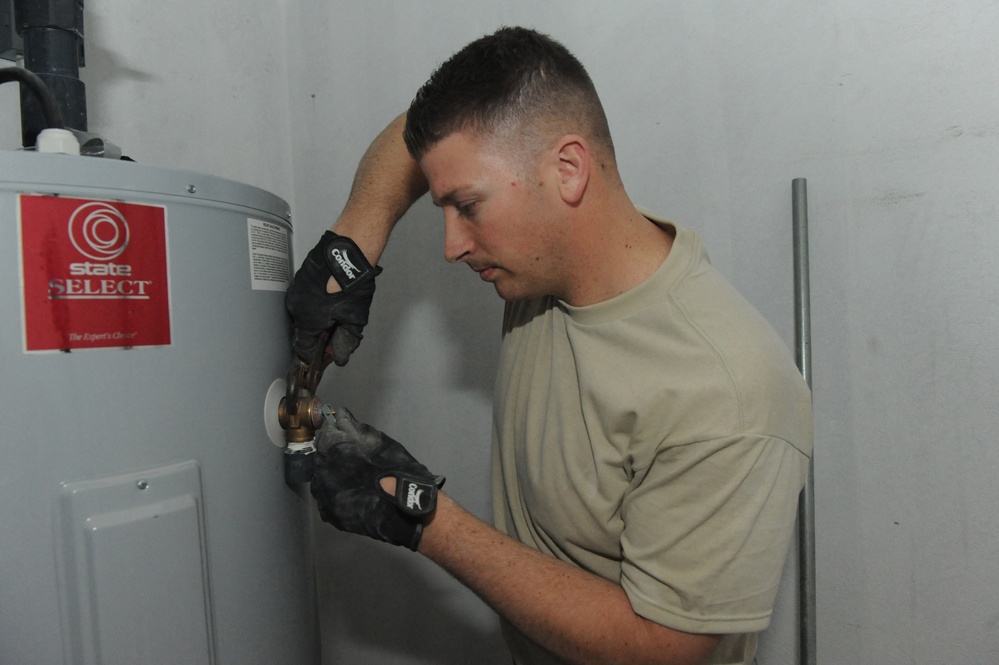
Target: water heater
<point x="146" y="516"/>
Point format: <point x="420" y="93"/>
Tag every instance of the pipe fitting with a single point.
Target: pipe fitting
<point x="300" y="416"/>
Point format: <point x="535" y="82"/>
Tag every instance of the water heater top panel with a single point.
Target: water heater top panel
<point x="70" y="175"/>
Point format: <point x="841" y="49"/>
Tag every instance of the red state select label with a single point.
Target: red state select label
<point x="94" y="274"/>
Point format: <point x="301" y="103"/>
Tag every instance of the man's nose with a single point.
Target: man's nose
<point x="458" y="244"/>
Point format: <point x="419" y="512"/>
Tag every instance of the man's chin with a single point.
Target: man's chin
<point x="511" y="294"/>
<point x="506" y="294"/>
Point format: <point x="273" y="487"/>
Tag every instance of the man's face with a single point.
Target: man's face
<point x="500" y="216"/>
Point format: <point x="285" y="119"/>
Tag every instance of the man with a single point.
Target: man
<point x="652" y="433"/>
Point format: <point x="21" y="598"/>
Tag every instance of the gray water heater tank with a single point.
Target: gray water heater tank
<point x="145" y="514"/>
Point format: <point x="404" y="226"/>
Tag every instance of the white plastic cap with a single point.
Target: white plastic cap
<point x="57" y="141"/>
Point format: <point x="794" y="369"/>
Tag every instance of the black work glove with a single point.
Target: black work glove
<point x="344" y="314"/>
<point x="351" y="458"/>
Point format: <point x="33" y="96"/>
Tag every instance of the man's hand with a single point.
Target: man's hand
<point x="351" y="460"/>
<point x="315" y="311"/>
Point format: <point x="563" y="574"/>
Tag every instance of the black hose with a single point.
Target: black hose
<point x="53" y="116"/>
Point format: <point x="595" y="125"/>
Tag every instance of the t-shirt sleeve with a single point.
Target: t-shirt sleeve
<point x="706" y="532"/>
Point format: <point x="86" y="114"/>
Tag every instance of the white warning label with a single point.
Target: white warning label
<point x="270" y="256"/>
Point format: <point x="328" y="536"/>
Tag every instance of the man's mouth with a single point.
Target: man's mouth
<point x="486" y="273"/>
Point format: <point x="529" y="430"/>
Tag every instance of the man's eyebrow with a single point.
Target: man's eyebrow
<point x="447" y="198"/>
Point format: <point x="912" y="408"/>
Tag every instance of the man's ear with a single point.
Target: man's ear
<point x="573" y="154"/>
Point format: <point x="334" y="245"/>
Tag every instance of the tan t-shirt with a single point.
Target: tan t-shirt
<point x="660" y="440"/>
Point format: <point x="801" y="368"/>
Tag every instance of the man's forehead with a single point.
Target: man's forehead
<point x="462" y="159"/>
<point x="456" y="164"/>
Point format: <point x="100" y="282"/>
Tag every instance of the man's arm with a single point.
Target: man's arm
<point x="580" y="617"/>
<point x="330" y="296"/>
<point x="387" y="182"/>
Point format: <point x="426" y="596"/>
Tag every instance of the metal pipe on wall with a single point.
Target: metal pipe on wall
<point x="803" y="356"/>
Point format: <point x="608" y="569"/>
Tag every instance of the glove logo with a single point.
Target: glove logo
<point x="348" y="268"/>
<point x="413" y="497"/>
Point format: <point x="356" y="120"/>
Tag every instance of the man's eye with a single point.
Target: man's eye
<point x="465" y="209"/>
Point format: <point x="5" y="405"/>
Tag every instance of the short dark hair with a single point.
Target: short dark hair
<point x="515" y="80"/>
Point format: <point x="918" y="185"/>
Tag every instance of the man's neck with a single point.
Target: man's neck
<point x="620" y="249"/>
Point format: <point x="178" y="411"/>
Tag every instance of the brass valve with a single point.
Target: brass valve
<point x="300" y="414"/>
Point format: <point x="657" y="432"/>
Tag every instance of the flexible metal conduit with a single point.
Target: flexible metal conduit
<point x="803" y="355"/>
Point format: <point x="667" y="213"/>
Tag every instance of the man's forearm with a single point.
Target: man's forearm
<point x="580" y="617"/>
<point x="387" y="182"/>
